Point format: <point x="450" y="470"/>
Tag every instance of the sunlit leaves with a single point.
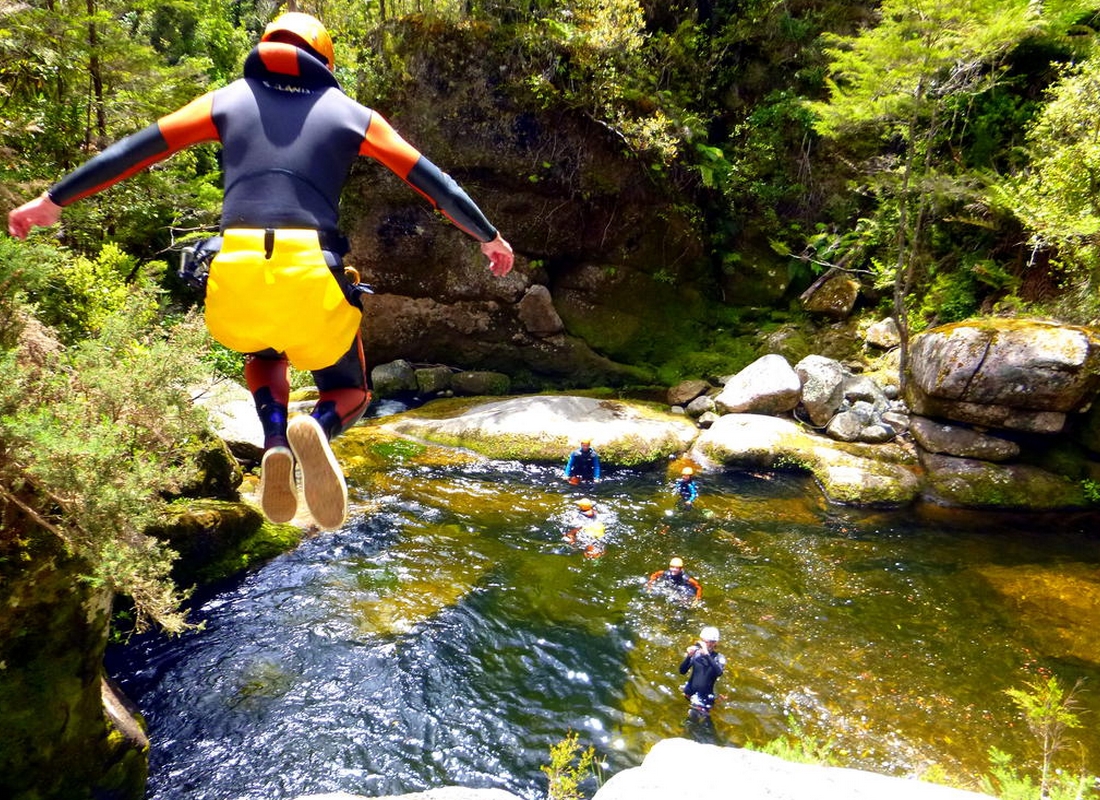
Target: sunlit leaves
<point x="1058" y="197"/>
<point x="918" y="54"/>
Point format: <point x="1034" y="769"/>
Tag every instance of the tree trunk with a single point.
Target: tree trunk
<point x="96" y="76"/>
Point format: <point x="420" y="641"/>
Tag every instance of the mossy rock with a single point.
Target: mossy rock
<point x="216" y="539"/>
<point x="547" y="428"/>
<point x="981" y="484"/>
<point x="57" y="741"/>
<point x="219" y="474"/>
<point x="373" y="447"/>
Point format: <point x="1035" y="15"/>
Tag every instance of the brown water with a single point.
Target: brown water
<point x="447" y="635"/>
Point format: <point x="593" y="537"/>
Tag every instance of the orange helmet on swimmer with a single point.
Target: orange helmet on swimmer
<point x="300" y="30"/>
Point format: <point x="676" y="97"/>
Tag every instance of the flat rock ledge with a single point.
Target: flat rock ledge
<point x="848" y="472"/>
<point x="548" y="428"/>
<point x="712" y="771"/>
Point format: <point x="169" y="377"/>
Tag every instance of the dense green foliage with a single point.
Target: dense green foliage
<point x="95" y="434"/>
<point x="896" y="139"/>
<point x="945" y="152"/>
<point x="908" y="82"/>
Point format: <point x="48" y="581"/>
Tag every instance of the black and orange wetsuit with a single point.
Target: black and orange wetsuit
<point x="277" y="290"/>
<point x="679" y="582"/>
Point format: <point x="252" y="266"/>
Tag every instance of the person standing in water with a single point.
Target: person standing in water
<point x="686" y="489"/>
<point x="583" y="465"/>
<point x="706" y="665"/>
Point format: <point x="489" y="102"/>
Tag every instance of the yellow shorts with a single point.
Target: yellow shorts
<point x="291" y="302"/>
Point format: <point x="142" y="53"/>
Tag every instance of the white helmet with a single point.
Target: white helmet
<point x="709" y="634"/>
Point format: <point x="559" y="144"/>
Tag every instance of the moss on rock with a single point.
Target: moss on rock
<point x="216" y="539"/>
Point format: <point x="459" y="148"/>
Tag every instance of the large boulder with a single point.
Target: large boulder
<point x="686" y="391"/>
<point x="721" y="772"/>
<point x="537" y="312"/>
<point x="853" y="473"/>
<point x="394" y="378"/>
<point x="617" y="261"/>
<point x="540" y="428"/>
<point x="1022" y="375"/>
<point x="232" y="413"/>
<point x="823" y="382"/>
<point x="835" y="297"/>
<point x="883" y="334"/>
<point x="766" y="386"/>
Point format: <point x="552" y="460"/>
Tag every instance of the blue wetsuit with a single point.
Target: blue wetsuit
<point x="583" y="464"/>
<point x="687" y="490"/>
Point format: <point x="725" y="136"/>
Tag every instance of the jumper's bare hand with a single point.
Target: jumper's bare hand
<point x="500" y="256"/>
<point x="39" y="212"/>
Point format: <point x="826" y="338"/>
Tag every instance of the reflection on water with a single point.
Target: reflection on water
<point x="447" y="635"/>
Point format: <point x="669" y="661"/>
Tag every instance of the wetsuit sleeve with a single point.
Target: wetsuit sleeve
<point x="653" y="578"/>
<point x="595" y="466"/>
<point x="189" y="125"/>
<point x="569" y="465"/>
<point x="698" y="587"/>
<point x="685" y="665"/>
<point x="383" y="143"/>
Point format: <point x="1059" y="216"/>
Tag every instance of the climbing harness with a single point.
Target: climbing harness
<point x="195" y="262"/>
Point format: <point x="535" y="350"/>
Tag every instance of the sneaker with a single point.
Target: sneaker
<point x="278" y="493"/>
<point x="323" y="486"/>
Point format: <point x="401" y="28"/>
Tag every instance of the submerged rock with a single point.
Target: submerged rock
<point x="1059" y="608"/>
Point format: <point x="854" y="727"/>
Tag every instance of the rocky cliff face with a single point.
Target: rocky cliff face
<point x="588" y="223"/>
<point x="66" y="734"/>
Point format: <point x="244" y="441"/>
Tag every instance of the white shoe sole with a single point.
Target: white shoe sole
<point x="278" y="493"/>
<point x="323" y="486"/>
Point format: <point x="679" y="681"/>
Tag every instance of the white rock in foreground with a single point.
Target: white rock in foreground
<point x="679" y="767"/>
<point x="446" y="793"/>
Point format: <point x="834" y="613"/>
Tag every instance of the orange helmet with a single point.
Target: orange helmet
<point x="687" y="471"/>
<point x="675" y="562"/>
<point x="584" y="504"/>
<point x="299" y="29"/>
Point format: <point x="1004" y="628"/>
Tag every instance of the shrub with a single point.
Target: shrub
<point x="93" y="437"/>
